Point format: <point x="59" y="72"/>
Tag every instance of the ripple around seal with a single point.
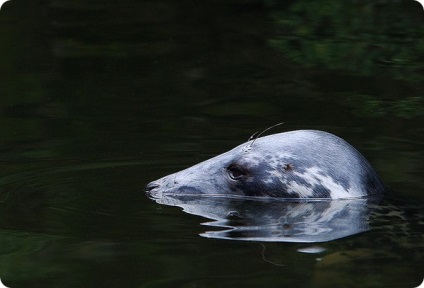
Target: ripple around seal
<point x="96" y="199"/>
<point x="297" y="221"/>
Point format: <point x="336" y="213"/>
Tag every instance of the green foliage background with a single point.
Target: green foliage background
<point x="382" y="38"/>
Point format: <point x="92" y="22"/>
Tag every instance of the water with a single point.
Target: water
<point x="98" y="99"/>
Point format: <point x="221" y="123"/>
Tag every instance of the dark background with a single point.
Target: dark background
<point x="97" y="98"/>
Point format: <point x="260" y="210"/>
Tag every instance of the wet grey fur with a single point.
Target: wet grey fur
<point x="296" y="164"/>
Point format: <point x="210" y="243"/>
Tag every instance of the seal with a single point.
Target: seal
<point x="307" y="164"/>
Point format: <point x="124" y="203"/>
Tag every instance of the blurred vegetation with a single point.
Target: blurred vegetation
<point x="384" y="37"/>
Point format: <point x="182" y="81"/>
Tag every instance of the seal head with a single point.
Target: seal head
<point x="297" y="164"/>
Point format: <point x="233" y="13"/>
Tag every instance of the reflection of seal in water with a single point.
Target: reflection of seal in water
<point x="294" y="220"/>
<point x="297" y="164"/>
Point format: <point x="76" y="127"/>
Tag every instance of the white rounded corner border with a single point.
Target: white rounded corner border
<point x="1" y="5"/>
<point x="2" y="285"/>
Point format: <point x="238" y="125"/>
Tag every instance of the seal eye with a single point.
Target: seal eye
<point x="236" y="172"/>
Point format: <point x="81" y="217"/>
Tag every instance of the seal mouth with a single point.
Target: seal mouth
<point x="152" y="190"/>
<point x="151" y="186"/>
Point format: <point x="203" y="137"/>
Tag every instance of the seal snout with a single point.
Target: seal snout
<point x="151" y="188"/>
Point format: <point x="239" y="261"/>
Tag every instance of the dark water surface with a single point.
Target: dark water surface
<point x="98" y="98"/>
